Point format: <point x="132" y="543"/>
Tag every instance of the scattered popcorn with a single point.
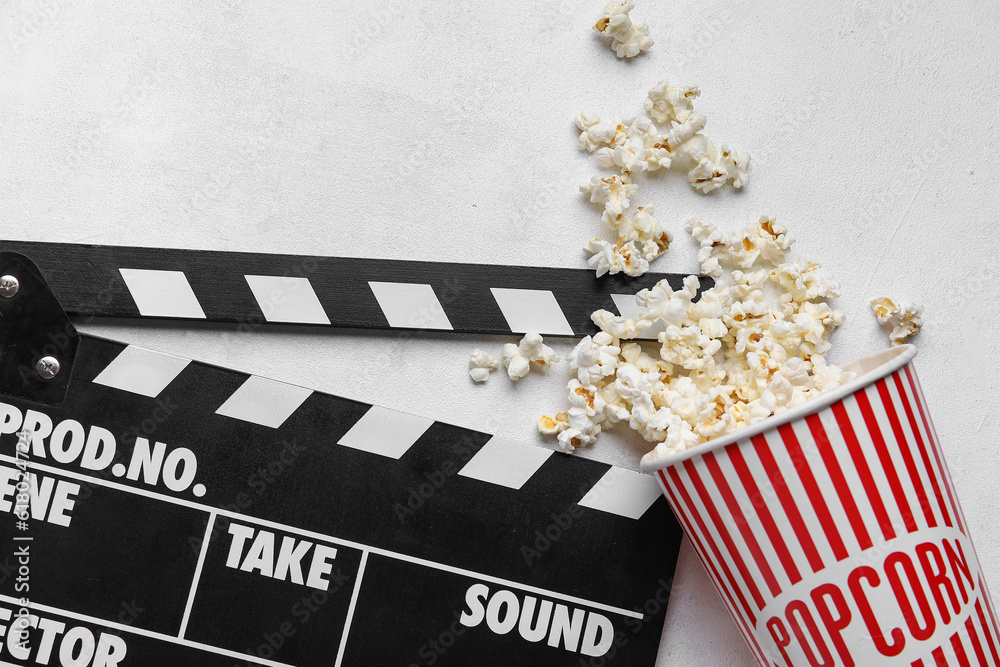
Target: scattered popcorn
<point x="573" y="428"/>
<point x="481" y="364"/>
<point x="518" y="359"/>
<point x="630" y="156"/>
<point x="666" y="103"/>
<point x="643" y="230"/>
<point x="586" y="397"/>
<point x="884" y="308"/>
<point x="618" y="326"/>
<point x="618" y="258"/>
<point x="770" y="239"/>
<point x="595" y="133"/>
<point x="517" y="364"/>
<point x="661" y="302"/>
<point x="681" y="132"/>
<point x="717" y="167"/>
<point x="594" y="358"/>
<point x="729" y="360"/>
<point x="636" y="145"/>
<point x="553" y="425"/>
<point x="804" y="280"/>
<point x="716" y="246"/>
<point x="709" y="174"/>
<point x="904" y="318"/>
<point x="736" y="164"/>
<point x="628" y="39"/>
<point x="614" y="193"/>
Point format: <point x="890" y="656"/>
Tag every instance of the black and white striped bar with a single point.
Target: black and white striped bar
<point x="259" y="289"/>
<point x="205" y="516"/>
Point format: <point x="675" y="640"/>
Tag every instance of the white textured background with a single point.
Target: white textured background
<point x="444" y="131"/>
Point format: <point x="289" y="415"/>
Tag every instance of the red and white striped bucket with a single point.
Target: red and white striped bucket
<point x="833" y="531"/>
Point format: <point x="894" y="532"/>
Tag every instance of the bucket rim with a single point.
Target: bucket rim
<point x="888" y="361"/>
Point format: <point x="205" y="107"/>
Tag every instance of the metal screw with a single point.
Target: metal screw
<point x="9" y="286"/>
<point x="47" y="367"/>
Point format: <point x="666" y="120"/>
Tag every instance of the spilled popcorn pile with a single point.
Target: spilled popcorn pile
<point x="750" y="347"/>
<point x="731" y="359"/>
<point x="628" y="39"/>
<point x="637" y="145"/>
<point x="904" y="318"/>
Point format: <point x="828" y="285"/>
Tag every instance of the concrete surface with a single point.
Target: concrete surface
<point x="444" y="131"/>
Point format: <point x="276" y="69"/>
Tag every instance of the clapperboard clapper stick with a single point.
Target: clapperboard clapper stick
<point x="259" y="289"/>
<point x="186" y="514"/>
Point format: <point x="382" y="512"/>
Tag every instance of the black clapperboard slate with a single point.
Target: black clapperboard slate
<point x="186" y="514"/>
<point x="236" y="287"/>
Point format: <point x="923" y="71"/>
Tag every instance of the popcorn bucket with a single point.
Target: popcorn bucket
<point x="833" y="531"/>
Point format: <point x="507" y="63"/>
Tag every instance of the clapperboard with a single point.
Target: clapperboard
<point x="161" y="511"/>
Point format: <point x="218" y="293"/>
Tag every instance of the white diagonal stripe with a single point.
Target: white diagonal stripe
<point x="851" y="471"/>
<point x="752" y="520"/>
<point x="919" y="401"/>
<point x="506" y="462"/>
<point x="162" y="293"/>
<point x="896" y="453"/>
<point x="880" y="473"/>
<point x="532" y="311"/>
<point x="623" y="492"/>
<point x="385" y="432"/>
<point x="628" y="307"/>
<point x="706" y="554"/>
<point x="287" y="299"/>
<point x="768" y="490"/>
<point x="410" y="305"/>
<point x="828" y="489"/>
<point x="264" y="401"/>
<point x="790" y="481"/>
<point x="726" y="558"/>
<point x="923" y="473"/>
<point x="142" y="371"/>
<point x="933" y="450"/>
